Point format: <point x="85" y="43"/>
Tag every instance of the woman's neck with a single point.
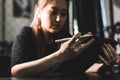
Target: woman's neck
<point x="48" y="37"/>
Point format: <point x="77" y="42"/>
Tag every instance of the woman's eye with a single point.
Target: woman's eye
<point x="63" y="14"/>
<point x="53" y="12"/>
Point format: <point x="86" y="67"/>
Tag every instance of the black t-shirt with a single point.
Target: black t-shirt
<point x="24" y="49"/>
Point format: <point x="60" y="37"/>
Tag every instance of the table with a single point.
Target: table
<point x="89" y="76"/>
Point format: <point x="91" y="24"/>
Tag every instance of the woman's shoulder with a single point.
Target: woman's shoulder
<point x="25" y="34"/>
<point x="25" y="30"/>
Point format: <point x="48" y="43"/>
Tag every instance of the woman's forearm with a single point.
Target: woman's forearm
<point x="37" y="66"/>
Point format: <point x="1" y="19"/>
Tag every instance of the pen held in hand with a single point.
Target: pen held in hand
<point x="66" y="39"/>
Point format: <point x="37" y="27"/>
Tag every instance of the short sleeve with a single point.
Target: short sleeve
<point x="23" y="48"/>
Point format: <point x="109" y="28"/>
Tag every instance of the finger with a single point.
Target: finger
<point x="108" y="51"/>
<point x="103" y="60"/>
<point x="89" y="33"/>
<point x="104" y="48"/>
<point x="72" y="40"/>
<point x="78" y="47"/>
<point x="77" y="42"/>
<point x="82" y="47"/>
<point x="107" y="56"/>
<point x="89" y="42"/>
<point x="82" y="40"/>
<point x="113" y="51"/>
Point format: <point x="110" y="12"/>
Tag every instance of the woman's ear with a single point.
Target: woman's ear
<point x="38" y="12"/>
<point x="38" y="15"/>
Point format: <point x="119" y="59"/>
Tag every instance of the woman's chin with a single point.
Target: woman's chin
<point x="55" y="31"/>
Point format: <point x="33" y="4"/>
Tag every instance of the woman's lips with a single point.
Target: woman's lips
<point x="56" y="26"/>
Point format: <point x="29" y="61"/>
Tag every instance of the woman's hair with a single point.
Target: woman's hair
<point x="40" y="4"/>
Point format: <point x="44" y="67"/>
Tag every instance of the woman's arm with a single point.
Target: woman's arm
<point x="67" y="51"/>
<point x="35" y="67"/>
<point x="94" y="68"/>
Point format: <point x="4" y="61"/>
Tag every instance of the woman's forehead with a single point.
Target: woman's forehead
<point x="58" y="3"/>
<point x="54" y="2"/>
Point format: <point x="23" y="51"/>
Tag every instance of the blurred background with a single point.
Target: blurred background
<point x="102" y="17"/>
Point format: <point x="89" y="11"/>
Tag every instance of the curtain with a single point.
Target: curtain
<point x="88" y="15"/>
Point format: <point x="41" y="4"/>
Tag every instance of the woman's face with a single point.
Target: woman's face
<point x="53" y="16"/>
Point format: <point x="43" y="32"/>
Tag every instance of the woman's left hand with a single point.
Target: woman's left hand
<point x="110" y="54"/>
<point x="110" y="59"/>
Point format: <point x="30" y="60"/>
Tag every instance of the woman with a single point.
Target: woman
<point x="34" y="51"/>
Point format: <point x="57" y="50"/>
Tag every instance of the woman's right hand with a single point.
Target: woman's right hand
<point x="73" y="47"/>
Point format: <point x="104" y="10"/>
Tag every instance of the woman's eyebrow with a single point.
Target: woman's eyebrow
<point x="55" y="8"/>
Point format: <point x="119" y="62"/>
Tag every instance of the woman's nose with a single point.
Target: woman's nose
<point x="58" y="18"/>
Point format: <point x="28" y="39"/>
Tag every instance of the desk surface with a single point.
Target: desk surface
<point x="90" y="76"/>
